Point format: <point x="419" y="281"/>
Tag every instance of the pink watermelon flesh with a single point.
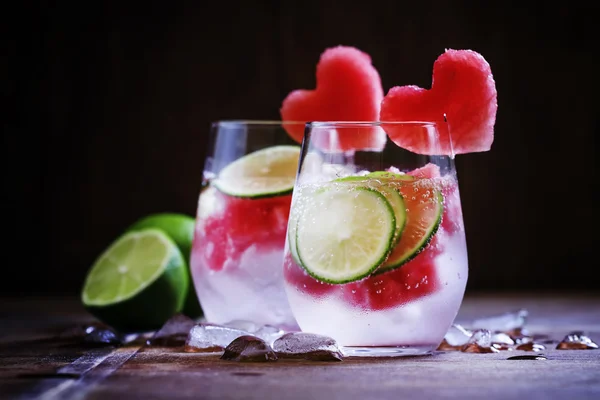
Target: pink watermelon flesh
<point x="348" y="89"/>
<point x="463" y="90"/>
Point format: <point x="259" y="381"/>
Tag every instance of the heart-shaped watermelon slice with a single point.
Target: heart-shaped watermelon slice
<point x="348" y="89"/>
<point x="462" y="102"/>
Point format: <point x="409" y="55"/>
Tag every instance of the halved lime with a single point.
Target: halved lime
<point x="138" y="283"/>
<point x="424" y="208"/>
<point x="344" y="233"/>
<point x="263" y="173"/>
<point x="180" y="228"/>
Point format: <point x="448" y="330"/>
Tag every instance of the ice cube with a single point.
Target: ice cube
<point x="205" y="337"/>
<point x="173" y="333"/>
<point x="576" y="341"/>
<point x="102" y="336"/>
<point x="503" y="322"/>
<point x="455" y="338"/>
<point x="242" y="325"/>
<point x="480" y="342"/>
<point x="457" y="335"/>
<point x="307" y="346"/>
<point x="530" y="346"/>
<point x="269" y="333"/>
<point x="249" y="348"/>
<point x="502" y="338"/>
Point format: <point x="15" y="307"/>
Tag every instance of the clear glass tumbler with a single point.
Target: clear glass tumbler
<point x="376" y="254"/>
<point x="241" y="223"/>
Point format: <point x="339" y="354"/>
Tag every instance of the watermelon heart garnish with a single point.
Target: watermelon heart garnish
<point x="462" y="102"/>
<point x="348" y="89"/>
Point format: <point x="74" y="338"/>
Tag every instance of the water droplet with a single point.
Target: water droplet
<point x="536" y="357"/>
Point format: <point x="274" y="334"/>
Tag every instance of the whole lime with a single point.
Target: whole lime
<point x="180" y="228"/>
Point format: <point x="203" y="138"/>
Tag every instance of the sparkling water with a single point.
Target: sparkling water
<point x="236" y="258"/>
<point x="409" y="308"/>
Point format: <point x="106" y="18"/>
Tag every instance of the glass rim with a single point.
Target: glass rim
<point x="255" y="122"/>
<point x="342" y="124"/>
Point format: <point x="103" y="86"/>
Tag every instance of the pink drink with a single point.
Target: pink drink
<point x="241" y="223"/>
<point x="406" y="310"/>
<point x="236" y="258"/>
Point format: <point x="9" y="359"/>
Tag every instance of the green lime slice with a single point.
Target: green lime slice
<point x="180" y="228"/>
<point x="391" y="193"/>
<point x="391" y="175"/>
<point x="344" y="233"/>
<point x="423" y="217"/>
<point x="263" y="173"/>
<point x="138" y="282"/>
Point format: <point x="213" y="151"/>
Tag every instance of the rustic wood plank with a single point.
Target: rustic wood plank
<point x="33" y="365"/>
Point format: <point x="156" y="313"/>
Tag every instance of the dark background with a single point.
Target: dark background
<point x="109" y="108"/>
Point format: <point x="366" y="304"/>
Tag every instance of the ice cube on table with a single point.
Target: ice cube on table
<point x="502" y="338"/>
<point x="457" y="335"/>
<point x="506" y="322"/>
<point x="249" y="348"/>
<point x="576" y="341"/>
<point x="455" y="338"/>
<point x="530" y="346"/>
<point x="242" y="325"/>
<point x="269" y="333"/>
<point x="173" y="333"/>
<point x="205" y="337"/>
<point x="307" y="346"/>
<point x="480" y="342"/>
<point x="102" y="336"/>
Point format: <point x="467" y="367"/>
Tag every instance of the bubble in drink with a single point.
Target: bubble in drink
<point x="249" y="348"/>
<point x="173" y="333"/>
<point x="576" y="341"/>
<point x="208" y="338"/>
<point x="480" y="342"/>
<point x="307" y="346"/>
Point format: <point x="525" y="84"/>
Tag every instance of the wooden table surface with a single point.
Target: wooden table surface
<point x="32" y="365"/>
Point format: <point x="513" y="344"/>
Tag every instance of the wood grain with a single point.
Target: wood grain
<point x="34" y="365"/>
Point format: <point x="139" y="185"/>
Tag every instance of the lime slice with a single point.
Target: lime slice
<point x="263" y="173"/>
<point x="344" y="233"/>
<point x="180" y="228"/>
<point x="138" y="283"/>
<point x="391" y="175"/>
<point x="424" y="210"/>
<point x="391" y="193"/>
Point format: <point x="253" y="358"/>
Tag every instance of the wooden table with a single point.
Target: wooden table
<point x="33" y="366"/>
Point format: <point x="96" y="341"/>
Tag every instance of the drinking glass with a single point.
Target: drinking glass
<point x="375" y="254"/>
<point x="241" y="223"/>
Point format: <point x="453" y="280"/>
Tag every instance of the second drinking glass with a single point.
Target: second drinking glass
<point x="241" y="223"/>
